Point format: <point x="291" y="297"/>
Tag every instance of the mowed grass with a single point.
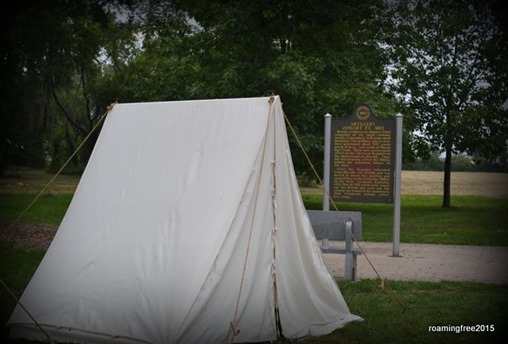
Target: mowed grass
<point x="399" y="313"/>
<point x="471" y="221"/>
<point x="49" y="209"/>
<point x="17" y="267"/>
<point x="402" y="312"/>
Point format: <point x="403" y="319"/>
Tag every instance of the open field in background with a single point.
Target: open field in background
<point x="413" y="183"/>
<point x="463" y="184"/>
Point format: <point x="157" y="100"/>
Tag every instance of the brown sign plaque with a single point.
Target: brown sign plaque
<point x="362" y="157"/>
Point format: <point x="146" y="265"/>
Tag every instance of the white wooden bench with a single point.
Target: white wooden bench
<point x="338" y="225"/>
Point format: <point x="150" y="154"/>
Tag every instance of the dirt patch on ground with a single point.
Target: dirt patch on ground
<point x="27" y="235"/>
<point x="32" y="181"/>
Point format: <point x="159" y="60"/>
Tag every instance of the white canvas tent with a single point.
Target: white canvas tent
<point x="187" y="227"/>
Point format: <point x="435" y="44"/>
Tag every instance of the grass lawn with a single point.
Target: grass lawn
<point x="473" y="220"/>
<point x="385" y="319"/>
<point x="429" y="304"/>
<point x="49" y="209"/>
<point x="16" y="269"/>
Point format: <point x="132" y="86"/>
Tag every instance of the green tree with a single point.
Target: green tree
<point x="50" y="59"/>
<point x="76" y="57"/>
<point x="320" y="58"/>
<point x="448" y="70"/>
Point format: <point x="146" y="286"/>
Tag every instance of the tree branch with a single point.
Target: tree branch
<point x="75" y="124"/>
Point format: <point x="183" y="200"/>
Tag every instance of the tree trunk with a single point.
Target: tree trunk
<point x="447" y="177"/>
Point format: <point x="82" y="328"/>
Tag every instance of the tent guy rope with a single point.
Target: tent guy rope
<point x="109" y="108"/>
<point x="234" y="329"/>
<point x="11" y="227"/>
<point x="50" y="339"/>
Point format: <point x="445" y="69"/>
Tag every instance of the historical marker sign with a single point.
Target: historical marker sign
<point x="362" y="157"/>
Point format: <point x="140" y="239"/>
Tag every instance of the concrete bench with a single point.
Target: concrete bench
<point x="338" y="225"/>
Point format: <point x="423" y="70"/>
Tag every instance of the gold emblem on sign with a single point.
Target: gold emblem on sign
<point x="363" y="112"/>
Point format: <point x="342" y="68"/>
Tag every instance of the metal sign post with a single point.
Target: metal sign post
<point x="326" y="167"/>
<point x="397" y="183"/>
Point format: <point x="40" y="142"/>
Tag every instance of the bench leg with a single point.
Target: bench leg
<point x="353" y="277"/>
<point x="349" y="267"/>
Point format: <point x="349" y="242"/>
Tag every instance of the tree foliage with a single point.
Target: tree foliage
<point x="447" y="67"/>
<point x="48" y="52"/>
<point x="320" y="58"/>
<point x="62" y="62"/>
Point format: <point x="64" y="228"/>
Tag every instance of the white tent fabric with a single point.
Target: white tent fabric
<point x="187" y="227"/>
